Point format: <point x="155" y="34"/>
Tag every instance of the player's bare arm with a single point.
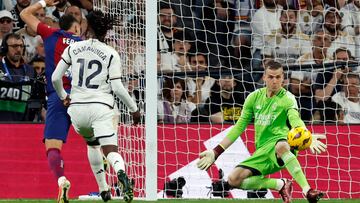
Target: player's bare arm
<point x="28" y="14"/>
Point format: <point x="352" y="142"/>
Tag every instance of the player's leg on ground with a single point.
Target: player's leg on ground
<point x="117" y="162"/>
<point x="242" y="178"/>
<point x="56" y="164"/>
<point x="260" y="182"/>
<point x="97" y="166"/>
<point x="55" y="160"/>
<point x="292" y="165"/>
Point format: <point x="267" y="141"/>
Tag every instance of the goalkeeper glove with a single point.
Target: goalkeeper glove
<point x="208" y="157"/>
<point x="316" y="145"/>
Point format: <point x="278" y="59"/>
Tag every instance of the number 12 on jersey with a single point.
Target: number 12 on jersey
<point x="92" y="64"/>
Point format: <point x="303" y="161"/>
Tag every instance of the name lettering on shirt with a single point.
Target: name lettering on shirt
<point x="94" y="50"/>
<point x="68" y="41"/>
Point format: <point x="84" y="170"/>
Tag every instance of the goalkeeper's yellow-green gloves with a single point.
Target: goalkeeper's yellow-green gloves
<point x="316" y="145"/>
<point x="208" y="157"/>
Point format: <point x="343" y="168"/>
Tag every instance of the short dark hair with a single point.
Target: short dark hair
<point x="192" y="54"/>
<point x="352" y="75"/>
<point x="343" y="49"/>
<point x="272" y="65"/>
<point x="169" y="84"/>
<point x="165" y="5"/>
<point x="37" y="59"/>
<point x="100" y="23"/>
<point x="289" y="8"/>
<point x="66" y="21"/>
<point x="183" y="35"/>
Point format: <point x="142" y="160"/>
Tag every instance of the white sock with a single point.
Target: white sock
<point x="280" y="183"/>
<point x="305" y="190"/>
<point x="116" y="161"/>
<point x="97" y="165"/>
<point x="61" y="180"/>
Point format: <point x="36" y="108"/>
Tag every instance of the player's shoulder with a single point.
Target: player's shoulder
<point x="257" y="92"/>
<point x="288" y="97"/>
<point x="288" y="94"/>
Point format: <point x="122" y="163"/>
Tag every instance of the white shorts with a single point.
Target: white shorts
<point x="95" y="121"/>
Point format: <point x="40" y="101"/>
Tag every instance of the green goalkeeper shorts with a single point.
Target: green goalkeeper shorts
<point x="264" y="160"/>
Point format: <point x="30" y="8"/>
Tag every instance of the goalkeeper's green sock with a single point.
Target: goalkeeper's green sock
<point x="259" y="182"/>
<point x="294" y="168"/>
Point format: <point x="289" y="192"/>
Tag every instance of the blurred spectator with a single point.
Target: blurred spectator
<point x="6" y="23"/>
<point x="311" y="19"/>
<point x="59" y="10"/>
<point x="351" y="18"/>
<point x="319" y="55"/>
<point x="20" y="5"/>
<point x="167" y="24"/>
<point x="198" y="61"/>
<point x="166" y="28"/>
<point x="31" y="37"/>
<point x="174" y="108"/>
<point x="40" y="51"/>
<point x="348" y="99"/>
<point x="181" y="47"/>
<point x="7" y="4"/>
<point x="36" y="108"/>
<point x="351" y="22"/>
<point x="16" y="78"/>
<point x="332" y="26"/>
<point x="216" y="30"/>
<point x="83" y="4"/>
<point x="287" y="44"/>
<point x="184" y="12"/>
<point x="199" y="87"/>
<point x="76" y="12"/>
<point x="224" y="104"/>
<point x="38" y="63"/>
<point x="242" y="30"/>
<point x="265" y="22"/>
<point x="329" y="83"/>
<point x="300" y="86"/>
<point x="334" y="3"/>
<point x="135" y="52"/>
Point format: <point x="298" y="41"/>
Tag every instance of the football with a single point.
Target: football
<point x="299" y="138"/>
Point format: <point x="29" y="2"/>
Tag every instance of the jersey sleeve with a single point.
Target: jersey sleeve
<point x="246" y="116"/>
<point x="114" y="66"/>
<point x="66" y="57"/>
<point x="292" y="112"/>
<point x="44" y="30"/>
<point x="116" y="84"/>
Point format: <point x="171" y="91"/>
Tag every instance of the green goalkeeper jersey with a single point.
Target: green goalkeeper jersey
<point x="271" y="116"/>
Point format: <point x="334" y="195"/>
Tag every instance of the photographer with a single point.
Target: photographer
<point x="327" y="84"/>
<point x="16" y="79"/>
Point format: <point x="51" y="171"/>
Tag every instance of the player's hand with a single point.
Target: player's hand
<point x="136" y="117"/>
<point x="207" y="158"/>
<point x="316" y="145"/>
<point x="66" y="101"/>
<point x="51" y="2"/>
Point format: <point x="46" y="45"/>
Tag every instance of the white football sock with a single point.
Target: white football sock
<point x="116" y="161"/>
<point x="97" y="165"/>
<point x="61" y="180"/>
<point x="280" y="183"/>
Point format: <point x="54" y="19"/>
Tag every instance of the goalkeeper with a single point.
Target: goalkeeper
<point x="271" y="107"/>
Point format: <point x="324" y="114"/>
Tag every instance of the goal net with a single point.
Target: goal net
<point x="210" y="57"/>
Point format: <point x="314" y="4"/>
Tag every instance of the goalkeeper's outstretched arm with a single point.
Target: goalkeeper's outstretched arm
<point x="295" y="121"/>
<point x="208" y="157"/>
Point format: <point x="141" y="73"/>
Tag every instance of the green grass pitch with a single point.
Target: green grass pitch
<point x="187" y="201"/>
